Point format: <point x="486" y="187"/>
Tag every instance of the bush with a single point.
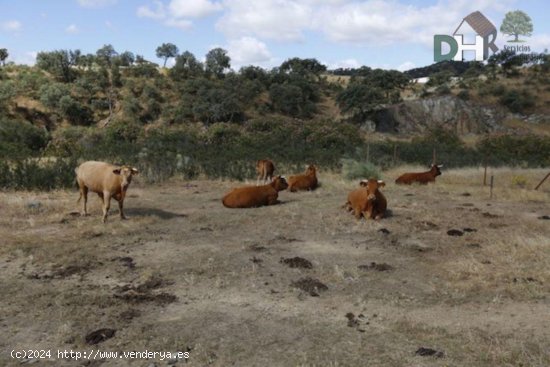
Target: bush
<point x="352" y="169"/>
<point x="518" y="101"/>
<point x="21" y="139"/>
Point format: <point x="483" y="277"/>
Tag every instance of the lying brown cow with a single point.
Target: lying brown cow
<point x="105" y="179"/>
<point x="265" y="169"/>
<point x="307" y="181"/>
<point x="367" y="201"/>
<point x="254" y="196"/>
<point x="421" y="177"/>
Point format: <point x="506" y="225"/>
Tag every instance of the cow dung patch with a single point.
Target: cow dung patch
<point x="489" y="215"/>
<point x="468" y="229"/>
<point x="429" y="352"/>
<point x="257" y="248"/>
<point x="297" y="262"/>
<point x="544" y="217"/>
<point x="384" y="231"/>
<point x="126" y="261"/>
<point x="376" y="266"/>
<point x="310" y="285"/>
<point x="454" y="232"/>
<point x="99" y="336"/>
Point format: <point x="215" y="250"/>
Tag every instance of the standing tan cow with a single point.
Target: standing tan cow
<point x="368" y="201"/>
<point x="107" y="180"/>
<point x="254" y="196"/>
<point x="265" y="169"/>
<point x="306" y="181"/>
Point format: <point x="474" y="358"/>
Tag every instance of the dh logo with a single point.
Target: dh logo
<point x="486" y="34"/>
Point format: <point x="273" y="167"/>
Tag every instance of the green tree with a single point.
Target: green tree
<point x="51" y="94"/>
<point x="3" y="55"/>
<point x="7" y="92"/>
<point x="187" y="66"/>
<point x="59" y="63"/>
<point x="106" y="55"/>
<point x="217" y="61"/>
<point x="517" y="23"/>
<point x="166" y="51"/>
<point x="359" y="100"/>
<point x="303" y="66"/>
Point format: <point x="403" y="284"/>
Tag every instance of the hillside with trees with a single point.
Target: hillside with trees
<point x="192" y="118"/>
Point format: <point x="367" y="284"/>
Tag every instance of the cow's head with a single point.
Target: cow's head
<point x="125" y="173"/>
<point x="311" y="170"/>
<point x="279" y="183"/>
<point x="372" y="185"/>
<point x="436" y="169"/>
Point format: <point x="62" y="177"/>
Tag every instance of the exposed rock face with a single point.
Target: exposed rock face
<point x="449" y="112"/>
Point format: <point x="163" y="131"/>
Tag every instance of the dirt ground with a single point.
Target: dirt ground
<point x="302" y="283"/>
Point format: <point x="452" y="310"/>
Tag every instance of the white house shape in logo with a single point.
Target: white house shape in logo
<point x="485" y="36"/>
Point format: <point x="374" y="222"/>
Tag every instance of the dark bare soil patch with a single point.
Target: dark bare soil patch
<point x="468" y="229"/>
<point x="283" y="239"/>
<point x="422" y="351"/>
<point x="98" y="336"/>
<point x="544" y="217"/>
<point x="126" y="261"/>
<point x="384" y="231"/>
<point x="490" y="215"/>
<point x="310" y="285"/>
<point x="455" y="232"/>
<point x="376" y="266"/>
<point x="297" y="262"/>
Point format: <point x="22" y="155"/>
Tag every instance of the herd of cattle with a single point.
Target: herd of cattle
<point x="110" y="181"/>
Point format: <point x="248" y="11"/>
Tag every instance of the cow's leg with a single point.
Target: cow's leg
<point x="120" y="209"/>
<point x="84" y="195"/>
<point x="357" y="212"/>
<point x="106" y="204"/>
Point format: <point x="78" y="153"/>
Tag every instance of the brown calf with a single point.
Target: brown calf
<point x="254" y="196"/>
<point x="421" y="177"/>
<point x="307" y="181"/>
<point x="367" y="201"/>
<point x="265" y="169"/>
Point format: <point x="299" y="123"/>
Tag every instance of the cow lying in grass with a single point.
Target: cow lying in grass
<point x="105" y="179"/>
<point x="306" y="181"/>
<point x="367" y="201"/>
<point x="421" y="177"/>
<point x="254" y="196"/>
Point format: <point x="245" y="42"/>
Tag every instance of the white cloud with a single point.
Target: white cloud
<point x="179" y="23"/>
<point x="157" y="13"/>
<point x="193" y="8"/>
<point x="370" y="22"/>
<point x="72" y="29"/>
<point x="27" y="58"/>
<point x="178" y="13"/>
<point x="407" y="65"/>
<point x="344" y="64"/>
<point x="96" y="3"/>
<point x="248" y="51"/>
<point x="273" y="19"/>
<point x="11" y="26"/>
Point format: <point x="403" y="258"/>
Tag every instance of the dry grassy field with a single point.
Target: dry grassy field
<point x="302" y="283"/>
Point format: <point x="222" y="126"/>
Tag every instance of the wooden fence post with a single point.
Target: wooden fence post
<point x="544" y="179"/>
<point x="485" y="172"/>
<point x="491" y="196"/>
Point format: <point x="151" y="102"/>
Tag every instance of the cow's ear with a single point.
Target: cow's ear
<point x="116" y="171"/>
<point x="363" y="183"/>
<point x="381" y="183"/>
<point x="135" y="171"/>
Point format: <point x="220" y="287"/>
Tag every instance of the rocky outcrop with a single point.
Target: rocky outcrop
<point x="449" y="112"/>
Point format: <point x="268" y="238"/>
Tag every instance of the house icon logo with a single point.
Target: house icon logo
<point x="485" y="36"/>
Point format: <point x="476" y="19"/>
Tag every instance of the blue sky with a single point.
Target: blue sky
<point x="339" y="33"/>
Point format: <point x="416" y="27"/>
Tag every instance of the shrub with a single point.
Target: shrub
<point x="352" y="169"/>
<point x="517" y="101"/>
